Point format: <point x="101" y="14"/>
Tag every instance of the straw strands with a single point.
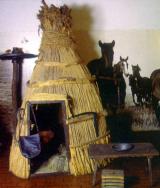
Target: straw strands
<point x="59" y="73"/>
<point x="19" y="165"/>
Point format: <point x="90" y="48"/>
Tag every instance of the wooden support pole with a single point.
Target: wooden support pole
<point x="17" y="56"/>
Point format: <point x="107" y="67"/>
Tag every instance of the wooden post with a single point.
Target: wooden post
<point x="16" y="87"/>
<point x="17" y="57"/>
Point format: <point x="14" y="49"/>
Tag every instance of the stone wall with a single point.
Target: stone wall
<point x="6" y="96"/>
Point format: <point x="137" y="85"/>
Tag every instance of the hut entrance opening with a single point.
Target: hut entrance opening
<point x="51" y="122"/>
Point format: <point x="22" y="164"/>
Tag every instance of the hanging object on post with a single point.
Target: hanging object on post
<point x="30" y="146"/>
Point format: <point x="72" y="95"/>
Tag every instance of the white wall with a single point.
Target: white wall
<point x="20" y="15"/>
<point x="133" y="24"/>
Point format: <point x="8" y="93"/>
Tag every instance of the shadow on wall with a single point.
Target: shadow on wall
<point x="82" y="25"/>
<point x="5" y="128"/>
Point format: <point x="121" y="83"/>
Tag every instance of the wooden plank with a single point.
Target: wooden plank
<point x="101" y="151"/>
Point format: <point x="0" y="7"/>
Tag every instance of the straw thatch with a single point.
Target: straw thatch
<point x="59" y="73"/>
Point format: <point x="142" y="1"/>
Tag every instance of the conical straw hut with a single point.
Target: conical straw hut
<point x="60" y="75"/>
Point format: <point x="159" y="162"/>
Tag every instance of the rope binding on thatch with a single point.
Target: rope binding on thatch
<point x="107" y="135"/>
<point x="61" y="81"/>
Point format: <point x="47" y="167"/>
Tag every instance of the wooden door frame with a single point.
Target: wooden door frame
<point x="66" y="130"/>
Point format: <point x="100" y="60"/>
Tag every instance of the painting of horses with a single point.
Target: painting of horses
<point x="111" y="79"/>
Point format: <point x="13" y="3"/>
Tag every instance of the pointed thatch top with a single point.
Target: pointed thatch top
<point x="55" y="19"/>
<point x="56" y="25"/>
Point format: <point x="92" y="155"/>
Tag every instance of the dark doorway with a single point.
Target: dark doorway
<point x="50" y="118"/>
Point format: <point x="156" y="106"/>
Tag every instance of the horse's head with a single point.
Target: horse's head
<point x="119" y="68"/>
<point x="107" y="52"/>
<point x="136" y="69"/>
<point x="123" y="60"/>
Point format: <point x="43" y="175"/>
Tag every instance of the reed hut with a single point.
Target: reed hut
<point x="61" y="85"/>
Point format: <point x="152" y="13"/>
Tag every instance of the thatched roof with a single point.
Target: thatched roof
<point x="59" y="73"/>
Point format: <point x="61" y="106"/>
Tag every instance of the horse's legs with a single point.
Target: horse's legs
<point x="121" y="98"/>
<point x="133" y="97"/>
<point x="139" y="99"/>
<point x="148" y="99"/>
<point x="121" y="92"/>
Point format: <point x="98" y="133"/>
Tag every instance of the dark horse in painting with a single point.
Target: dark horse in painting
<point x="141" y="87"/>
<point x="107" y="78"/>
<point x="155" y="77"/>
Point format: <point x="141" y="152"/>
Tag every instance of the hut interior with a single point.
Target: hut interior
<point x="51" y="121"/>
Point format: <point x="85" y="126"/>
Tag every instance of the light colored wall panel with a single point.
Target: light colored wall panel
<point x="134" y="25"/>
